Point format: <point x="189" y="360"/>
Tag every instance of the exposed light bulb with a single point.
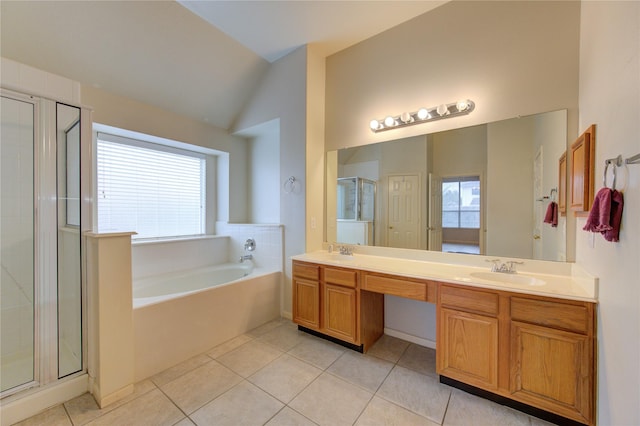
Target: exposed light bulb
<point x="462" y="105"/>
<point x="423" y="114"/>
<point x="442" y="110"/>
<point x="406" y="117"/>
<point x="374" y="124"/>
<point x="389" y="121"/>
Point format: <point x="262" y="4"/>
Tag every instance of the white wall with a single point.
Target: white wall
<point x="610" y="99"/>
<point x="282" y="95"/>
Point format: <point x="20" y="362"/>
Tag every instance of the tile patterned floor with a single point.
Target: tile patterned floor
<point x="276" y="375"/>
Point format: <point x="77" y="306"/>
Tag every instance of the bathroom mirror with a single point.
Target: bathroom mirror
<point x="478" y="190"/>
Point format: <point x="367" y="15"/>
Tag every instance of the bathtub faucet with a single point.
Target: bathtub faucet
<point x="245" y="257"/>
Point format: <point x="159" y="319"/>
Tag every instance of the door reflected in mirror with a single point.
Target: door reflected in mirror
<point x="477" y="190"/>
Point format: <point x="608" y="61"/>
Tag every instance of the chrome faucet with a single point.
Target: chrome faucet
<point x="504" y="267"/>
<point x="346" y="250"/>
<point x="249" y="245"/>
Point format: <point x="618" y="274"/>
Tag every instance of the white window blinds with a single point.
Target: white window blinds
<point x="151" y="189"/>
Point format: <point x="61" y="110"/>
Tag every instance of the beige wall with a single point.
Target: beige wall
<point x="511" y="58"/>
<point x="315" y="158"/>
<point x="510" y="165"/>
<point x="460" y="153"/>
<point x="610" y="99"/>
<point x="549" y="137"/>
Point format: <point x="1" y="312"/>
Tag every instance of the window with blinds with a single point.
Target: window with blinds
<point x="154" y="190"/>
<point x="461" y="202"/>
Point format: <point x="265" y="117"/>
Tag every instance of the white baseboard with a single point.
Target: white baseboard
<point x="287" y="315"/>
<point x="410" y="338"/>
<point x="40" y="399"/>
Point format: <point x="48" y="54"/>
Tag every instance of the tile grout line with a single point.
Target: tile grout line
<point x="175" y="404"/>
<point x="64" y="407"/>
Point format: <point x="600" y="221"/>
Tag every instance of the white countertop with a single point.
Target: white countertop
<point x="575" y="286"/>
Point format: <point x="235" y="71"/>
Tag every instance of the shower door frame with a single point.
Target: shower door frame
<point x="45" y="246"/>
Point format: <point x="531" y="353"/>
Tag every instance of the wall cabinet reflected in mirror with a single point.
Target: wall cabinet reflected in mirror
<point x="562" y="184"/>
<point x="513" y="162"/>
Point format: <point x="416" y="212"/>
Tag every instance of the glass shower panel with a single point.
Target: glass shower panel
<point x="69" y="268"/>
<point x="347" y="199"/>
<point x="368" y="199"/>
<point x="17" y="243"/>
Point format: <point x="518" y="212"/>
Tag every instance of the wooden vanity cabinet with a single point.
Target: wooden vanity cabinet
<point x="340" y="304"/>
<point x="306" y="295"/>
<point x="536" y="350"/>
<point x="467" y="336"/>
<point x="553" y="356"/>
<point x="329" y="300"/>
<point x="533" y="350"/>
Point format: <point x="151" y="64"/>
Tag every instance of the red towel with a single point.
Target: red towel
<point x="552" y="214"/>
<point x="606" y="214"/>
<point x="617" y="203"/>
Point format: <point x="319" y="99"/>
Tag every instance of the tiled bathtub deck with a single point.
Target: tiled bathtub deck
<point x="276" y="375"/>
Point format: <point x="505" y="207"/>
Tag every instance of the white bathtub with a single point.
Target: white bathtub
<point x="179" y="315"/>
<point x="168" y="286"/>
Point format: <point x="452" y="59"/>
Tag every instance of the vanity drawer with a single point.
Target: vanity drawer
<point x="303" y="270"/>
<point x="419" y="290"/>
<point x="343" y="277"/>
<point x="565" y="316"/>
<point x="469" y="300"/>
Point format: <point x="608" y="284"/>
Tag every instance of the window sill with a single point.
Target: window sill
<point x="149" y="241"/>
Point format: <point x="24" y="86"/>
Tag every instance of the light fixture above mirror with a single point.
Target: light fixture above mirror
<point x="423" y="115"/>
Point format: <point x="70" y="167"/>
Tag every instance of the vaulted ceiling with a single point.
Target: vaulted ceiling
<point x="201" y="59"/>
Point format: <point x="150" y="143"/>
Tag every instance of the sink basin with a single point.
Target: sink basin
<point x="508" y="278"/>
<point x="336" y="257"/>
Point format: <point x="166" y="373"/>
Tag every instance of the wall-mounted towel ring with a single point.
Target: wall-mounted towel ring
<point x="616" y="162"/>
<point x="290" y="185"/>
<point x="552" y="195"/>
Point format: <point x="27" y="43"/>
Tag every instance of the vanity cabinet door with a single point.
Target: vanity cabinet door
<point x="553" y="370"/>
<point x="306" y="306"/>
<point x="340" y="313"/>
<point x="467" y="340"/>
<point x="468" y="348"/>
<point x="306" y="295"/>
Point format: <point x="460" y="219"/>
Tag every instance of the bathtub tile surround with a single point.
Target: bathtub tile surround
<point x="289" y="389"/>
<point x="269" y="252"/>
<point x="161" y="257"/>
<point x="158" y="257"/>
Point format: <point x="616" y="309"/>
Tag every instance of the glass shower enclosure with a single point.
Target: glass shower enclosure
<point x="41" y="288"/>
<point x="356" y="210"/>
